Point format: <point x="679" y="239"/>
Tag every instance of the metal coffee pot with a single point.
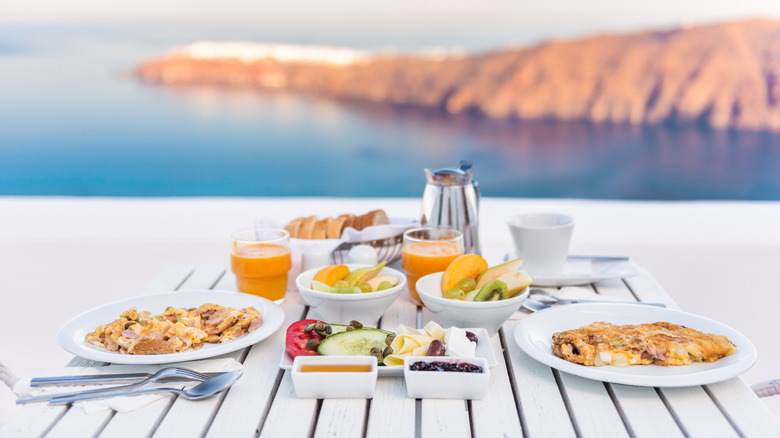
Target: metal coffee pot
<point x="451" y="198"/>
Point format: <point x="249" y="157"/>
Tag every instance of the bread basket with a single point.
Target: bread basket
<point x="388" y="249"/>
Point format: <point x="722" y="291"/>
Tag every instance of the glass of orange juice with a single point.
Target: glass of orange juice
<point x="428" y="250"/>
<point x="260" y="259"/>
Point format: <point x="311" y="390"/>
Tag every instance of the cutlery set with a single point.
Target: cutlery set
<point x="211" y="383"/>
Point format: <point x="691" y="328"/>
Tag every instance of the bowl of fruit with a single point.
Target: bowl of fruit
<point x="470" y="294"/>
<point x="350" y="292"/>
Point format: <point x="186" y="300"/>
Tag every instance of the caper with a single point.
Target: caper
<point x="308" y="328"/>
<point x="466" y="285"/>
<point x="350" y="328"/>
<point x="387" y="351"/>
<point x="364" y="286"/>
<point x="389" y="339"/>
<point x="312" y="344"/>
<point x="376" y="351"/>
<point x="319" y="326"/>
<point x="356" y="324"/>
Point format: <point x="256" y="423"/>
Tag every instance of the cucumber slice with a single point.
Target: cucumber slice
<point x="338" y="328"/>
<point x="353" y="343"/>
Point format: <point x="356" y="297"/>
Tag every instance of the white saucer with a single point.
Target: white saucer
<point x="584" y="270"/>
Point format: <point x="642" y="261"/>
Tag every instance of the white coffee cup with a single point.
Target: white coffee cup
<point x="542" y="241"/>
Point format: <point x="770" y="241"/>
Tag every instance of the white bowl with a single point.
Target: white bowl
<point x="334" y="384"/>
<point x="335" y="308"/>
<point x="487" y="314"/>
<point x="446" y="384"/>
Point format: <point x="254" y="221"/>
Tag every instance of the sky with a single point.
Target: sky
<point x="472" y="24"/>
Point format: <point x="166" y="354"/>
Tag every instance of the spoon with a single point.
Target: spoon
<point x="163" y="374"/>
<point x="197" y="392"/>
<point x="546" y="298"/>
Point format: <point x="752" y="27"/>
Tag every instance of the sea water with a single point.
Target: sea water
<point x="74" y="121"/>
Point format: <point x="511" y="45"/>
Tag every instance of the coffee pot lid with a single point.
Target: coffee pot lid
<point x="449" y="175"/>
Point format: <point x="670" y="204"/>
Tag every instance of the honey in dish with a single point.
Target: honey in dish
<point x="336" y="368"/>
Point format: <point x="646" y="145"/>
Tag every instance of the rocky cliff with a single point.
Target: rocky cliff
<point x="722" y="76"/>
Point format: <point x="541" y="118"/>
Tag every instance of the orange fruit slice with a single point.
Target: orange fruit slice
<point x="331" y="274"/>
<point x="464" y="266"/>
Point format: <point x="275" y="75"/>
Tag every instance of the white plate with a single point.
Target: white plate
<point x="584" y="270"/>
<point x="534" y="336"/>
<point x="72" y="335"/>
<point x="484" y="349"/>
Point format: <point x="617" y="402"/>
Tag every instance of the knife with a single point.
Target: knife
<point x="99" y="379"/>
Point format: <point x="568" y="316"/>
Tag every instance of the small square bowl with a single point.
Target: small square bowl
<point x="446" y="384"/>
<point x="334" y="376"/>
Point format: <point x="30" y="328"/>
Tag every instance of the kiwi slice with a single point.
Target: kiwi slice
<point x="492" y="291"/>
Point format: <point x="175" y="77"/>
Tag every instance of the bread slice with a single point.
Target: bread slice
<point x="375" y="217"/>
<point x="293" y="226"/>
<point x="320" y="228"/>
<point x="335" y="228"/>
<point x="348" y="220"/>
<point x="153" y="346"/>
<point x="307" y="226"/>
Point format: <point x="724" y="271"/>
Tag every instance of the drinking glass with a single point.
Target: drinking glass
<point x="260" y="259"/>
<point x="428" y="250"/>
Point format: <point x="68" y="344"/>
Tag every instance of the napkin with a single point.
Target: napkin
<point x="123" y="403"/>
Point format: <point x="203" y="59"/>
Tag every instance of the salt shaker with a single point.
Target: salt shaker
<point x="363" y="254"/>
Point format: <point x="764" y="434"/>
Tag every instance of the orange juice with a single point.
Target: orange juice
<point x="423" y="258"/>
<point x="261" y="269"/>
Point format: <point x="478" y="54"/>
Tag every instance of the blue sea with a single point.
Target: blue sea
<point x="75" y="122"/>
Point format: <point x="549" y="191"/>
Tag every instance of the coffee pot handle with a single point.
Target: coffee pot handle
<point x="476" y="192"/>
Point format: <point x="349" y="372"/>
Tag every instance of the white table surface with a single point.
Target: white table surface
<point x="525" y="398"/>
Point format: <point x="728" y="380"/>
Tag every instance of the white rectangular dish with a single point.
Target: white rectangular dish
<point x="328" y="382"/>
<point x="446" y="384"/>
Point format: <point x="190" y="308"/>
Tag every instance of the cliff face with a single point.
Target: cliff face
<point x="722" y="76"/>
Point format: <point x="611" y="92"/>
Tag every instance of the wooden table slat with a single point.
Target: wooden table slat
<point x="543" y="409"/>
<point x="748" y="413"/>
<point x="88" y="424"/>
<point x="169" y="279"/>
<point x="129" y="424"/>
<point x="204" y="277"/>
<point x="697" y="413"/>
<point x="289" y="416"/>
<point x="341" y="418"/>
<point x="496" y="414"/>
<point x="198" y="413"/>
<point x="646" y="288"/>
<point x="33" y="420"/>
<point x="645" y="412"/>
<point x="444" y="418"/>
<point x="592" y="409"/>
<point x="248" y="399"/>
<point x="392" y="412"/>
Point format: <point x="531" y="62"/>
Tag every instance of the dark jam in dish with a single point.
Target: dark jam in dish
<point x="461" y="367"/>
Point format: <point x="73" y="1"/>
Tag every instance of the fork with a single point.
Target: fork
<point x="163" y="374"/>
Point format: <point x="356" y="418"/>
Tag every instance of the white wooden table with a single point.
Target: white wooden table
<point x="525" y="398"/>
